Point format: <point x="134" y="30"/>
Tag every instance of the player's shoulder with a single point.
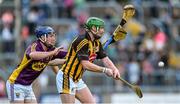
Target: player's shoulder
<point x="34" y="45"/>
<point x="80" y="38"/>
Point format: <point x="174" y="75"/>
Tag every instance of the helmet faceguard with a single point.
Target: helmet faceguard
<point x="94" y="21"/>
<point x="44" y="31"/>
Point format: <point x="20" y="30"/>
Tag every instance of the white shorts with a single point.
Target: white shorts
<point x="66" y="85"/>
<point x="18" y="92"/>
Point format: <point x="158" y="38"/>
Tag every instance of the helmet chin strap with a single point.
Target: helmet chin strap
<point x="45" y="42"/>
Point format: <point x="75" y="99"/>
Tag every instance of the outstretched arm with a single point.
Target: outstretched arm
<point x="95" y="68"/>
<point x="37" y="55"/>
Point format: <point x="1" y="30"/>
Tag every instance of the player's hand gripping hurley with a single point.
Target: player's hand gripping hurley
<point x="119" y="32"/>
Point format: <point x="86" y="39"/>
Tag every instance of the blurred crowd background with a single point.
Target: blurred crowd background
<point x="153" y="37"/>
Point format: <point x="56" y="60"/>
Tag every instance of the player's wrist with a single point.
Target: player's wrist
<point x="104" y="70"/>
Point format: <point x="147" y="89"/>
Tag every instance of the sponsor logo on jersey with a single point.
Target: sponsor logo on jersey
<point x="38" y="66"/>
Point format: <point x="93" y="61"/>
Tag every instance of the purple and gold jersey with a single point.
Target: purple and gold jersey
<point x="28" y="70"/>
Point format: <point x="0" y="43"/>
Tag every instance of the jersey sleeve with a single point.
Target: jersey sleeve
<point x="32" y="48"/>
<point x="61" y="55"/>
<point x="81" y="48"/>
<point x="101" y="54"/>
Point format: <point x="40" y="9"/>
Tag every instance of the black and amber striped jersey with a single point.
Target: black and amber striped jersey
<point x="82" y="48"/>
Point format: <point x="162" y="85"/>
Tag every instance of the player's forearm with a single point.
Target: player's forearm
<point x="56" y="62"/>
<point x="108" y="63"/>
<point x="92" y="67"/>
<point x="40" y="55"/>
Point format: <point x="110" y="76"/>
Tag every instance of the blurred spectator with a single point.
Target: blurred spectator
<point x="175" y="9"/>
<point x="3" y="74"/>
<point x="69" y="6"/>
<point x="136" y="30"/>
<point x="38" y="13"/>
<point x="113" y="54"/>
<point x="160" y="39"/>
<point x="80" y="4"/>
<point x="174" y="59"/>
<point x="7" y="32"/>
<point x="25" y="36"/>
<point x="166" y="21"/>
<point x="66" y="8"/>
<point x="177" y="74"/>
<point x="25" y="32"/>
<point x="154" y="10"/>
<point x="44" y="7"/>
<point x="32" y="18"/>
<point x="74" y="30"/>
<point x="3" y="77"/>
<point x="2" y="88"/>
<point x="25" y="9"/>
<point x="139" y="10"/>
<point x="81" y="18"/>
<point x="148" y="71"/>
<point x="133" y="71"/>
<point x="110" y="14"/>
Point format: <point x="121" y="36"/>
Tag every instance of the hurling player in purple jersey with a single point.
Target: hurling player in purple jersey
<point x="37" y="56"/>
